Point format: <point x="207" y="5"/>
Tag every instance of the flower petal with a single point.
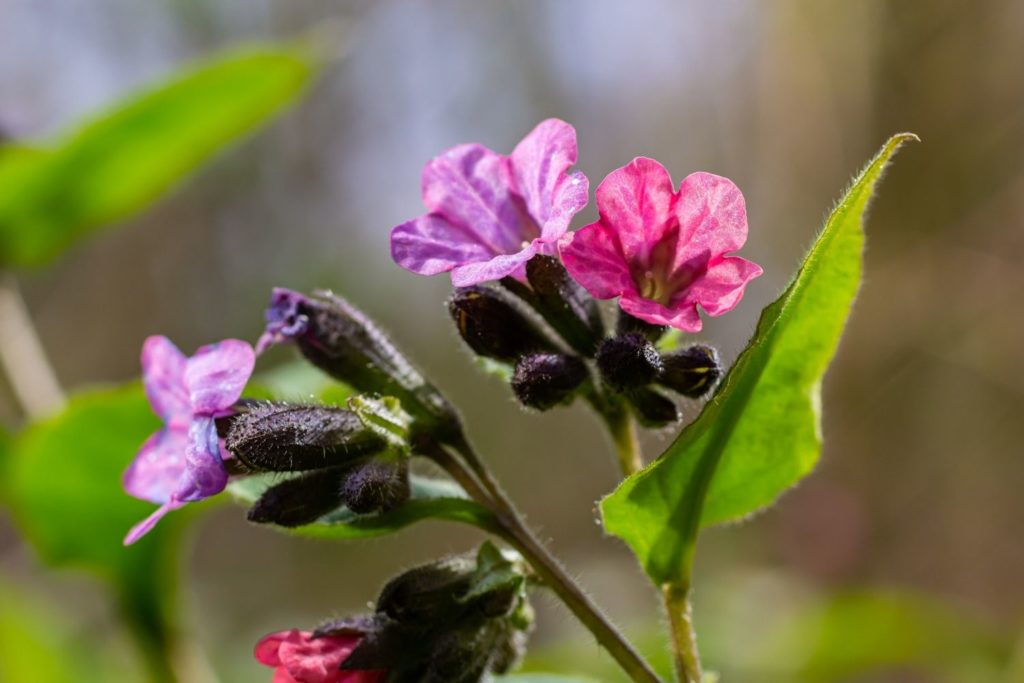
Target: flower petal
<point x="146" y="525"/>
<point x="205" y="474"/>
<point x="722" y="286"/>
<point x="267" y="649"/>
<point x="157" y="469"/>
<point x="216" y="375"/>
<point x="682" y="317"/>
<point x="539" y="164"/>
<point x="430" y="244"/>
<point x="494" y="268"/>
<point x="470" y="186"/>
<point x="593" y="257"/>
<point x="163" y="376"/>
<point x="317" y="660"/>
<point x="712" y="216"/>
<point x="636" y="201"/>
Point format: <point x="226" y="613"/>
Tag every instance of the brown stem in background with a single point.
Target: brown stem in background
<point x="24" y="361"/>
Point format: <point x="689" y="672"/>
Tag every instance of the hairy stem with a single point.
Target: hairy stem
<point x="676" y="597"/>
<point x="627" y="443"/>
<point x="684" y="638"/>
<point x="22" y="356"/>
<point x="488" y="492"/>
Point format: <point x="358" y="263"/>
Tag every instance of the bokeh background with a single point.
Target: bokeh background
<point x="919" y="490"/>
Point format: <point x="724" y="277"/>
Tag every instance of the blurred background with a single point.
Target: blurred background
<point x="918" y="492"/>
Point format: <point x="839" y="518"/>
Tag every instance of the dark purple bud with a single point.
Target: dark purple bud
<point x="628" y="362"/>
<point x="493" y="326"/>
<point x="627" y="324"/>
<point x="301" y="500"/>
<point x="340" y="340"/>
<point x="378" y="485"/>
<point x="286" y="437"/>
<point x="652" y="408"/>
<point x="544" y="380"/>
<point x="565" y="305"/>
<point x="691" y="372"/>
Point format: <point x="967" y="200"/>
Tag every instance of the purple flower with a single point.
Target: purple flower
<point x="661" y="251"/>
<point x="490" y="213"/>
<point x="183" y="462"/>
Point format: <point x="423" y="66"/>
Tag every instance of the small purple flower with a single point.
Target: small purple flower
<point x="490" y="213"/>
<point x="183" y="462"/>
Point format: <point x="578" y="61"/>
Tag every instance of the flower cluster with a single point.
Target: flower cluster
<point x="526" y="302"/>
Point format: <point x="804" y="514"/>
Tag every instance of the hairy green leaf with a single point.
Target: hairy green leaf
<point x="431" y="499"/>
<point x="543" y="678"/>
<point x="760" y="433"/>
<point x="126" y="158"/>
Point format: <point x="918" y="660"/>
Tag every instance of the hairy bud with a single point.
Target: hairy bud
<point x="378" y="485"/>
<point x="565" y="305"/>
<point x="628" y="362"/>
<point x="692" y="371"/>
<point x="493" y="326"/>
<point x="627" y="324"/>
<point x="653" y="409"/>
<point x="301" y="500"/>
<point x="340" y="340"/>
<point x="545" y="380"/>
<point x="453" y="621"/>
<point x="286" y="437"/>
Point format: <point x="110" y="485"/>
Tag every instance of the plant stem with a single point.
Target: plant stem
<point x="488" y="492"/>
<point x="627" y="443"/>
<point x="684" y="638"/>
<point x="22" y="356"/>
<point x="676" y="597"/>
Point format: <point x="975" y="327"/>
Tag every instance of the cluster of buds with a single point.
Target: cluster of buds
<point x="457" y="620"/>
<point x="551" y="336"/>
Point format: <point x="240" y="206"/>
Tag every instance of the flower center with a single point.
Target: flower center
<point x="658" y="280"/>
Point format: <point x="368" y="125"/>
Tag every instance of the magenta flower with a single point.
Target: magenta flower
<point x="298" y="657"/>
<point x="490" y="213"/>
<point x="183" y="462"/>
<point x="664" y="253"/>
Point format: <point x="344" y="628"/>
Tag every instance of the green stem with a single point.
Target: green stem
<point x="684" y="638"/>
<point x="488" y="492"/>
<point x="676" y="597"/>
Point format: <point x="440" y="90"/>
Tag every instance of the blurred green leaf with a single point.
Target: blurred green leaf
<point x="63" y="485"/>
<point x="126" y="158"/>
<point x="36" y="644"/>
<point x="431" y="499"/>
<point x="868" y="632"/>
<point x="760" y="433"/>
<point x="544" y="678"/>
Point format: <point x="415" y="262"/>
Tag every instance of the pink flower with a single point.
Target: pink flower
<point x="298" y="657"/>
<point x="183" y="462"/>
<point x="664" y="252"/>
<point x="490" y="213"/>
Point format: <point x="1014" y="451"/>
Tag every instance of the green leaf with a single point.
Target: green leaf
<point x="760" y="433"/>
<point x="543" y="678"/>
<point x="430" y="499"/>
<point x="127" y="157"/>
<point x="63" y="485"/>
<point x="865" y="632"/>
<point x="38" y="644"/>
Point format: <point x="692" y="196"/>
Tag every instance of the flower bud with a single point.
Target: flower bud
<point x="340" y="340"/>
<point x="565" y="305"/>
<point x="627" y="324"/>
<point x="453" y="621"/>
<point x="301" y="500"/>
<point x="691" y="372"/>
<point x="493" y="326"/>
<point x="628" y="361"/>
<point x="287" y="437"/>
<point x="545" y="380"/>
<point x="378" y="485"/>
<point x="653" y="409"/>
